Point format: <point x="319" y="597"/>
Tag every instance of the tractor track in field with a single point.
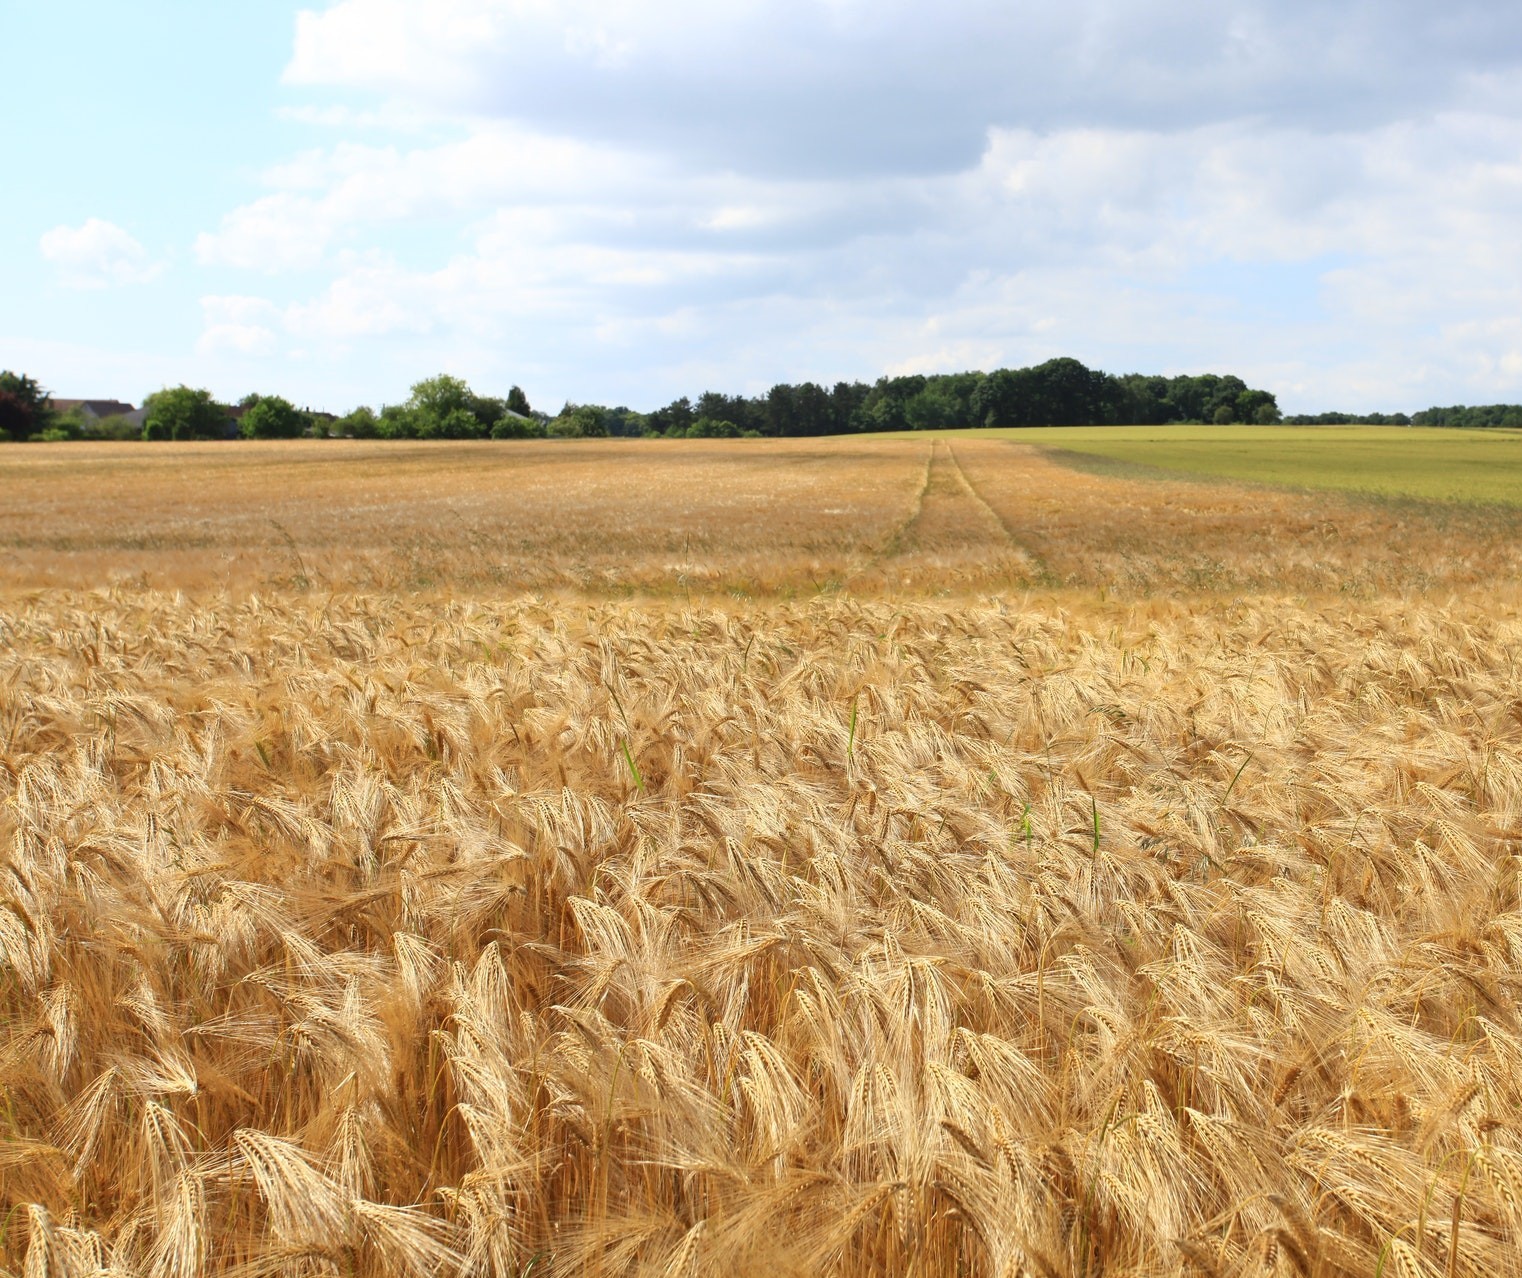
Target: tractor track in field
<point x="1017" y="543"/>
<point x="950" y="524"/>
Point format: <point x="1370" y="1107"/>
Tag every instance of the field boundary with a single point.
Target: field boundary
<point x="1438" y="510"/>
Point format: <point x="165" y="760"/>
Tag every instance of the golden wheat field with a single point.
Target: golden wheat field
<point x="804" y="858"/>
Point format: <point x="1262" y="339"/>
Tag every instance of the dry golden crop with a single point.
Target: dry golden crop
<point x="1014" y="932"/>
<point x="664" y="518"/>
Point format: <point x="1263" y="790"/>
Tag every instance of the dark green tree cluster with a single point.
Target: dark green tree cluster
<point x="24" y="411"/>
<point x="1060" y="392"/>
<point x="184" y="412"/>
<point x="445" y="407"/>
<point x="1462" y="416"/>
<point x="1483" y="416"/>
<point x="1348" y="419"/>
<point x="272" y="417"/>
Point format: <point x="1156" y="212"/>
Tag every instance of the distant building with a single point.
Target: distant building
<point x="95" y="410"/>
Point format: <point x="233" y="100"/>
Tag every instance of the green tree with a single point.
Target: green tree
<point x="512" y="426"/>
<point x="846" y="400"/>
<point x="443" y="407"/>
<point x="24" y="407"/>
<point x="488" y="410"/>
<point x="181" y="412"/>
<point x="362" y="423"/>
<point x="272" y="417"/>
<point x="396" y="421"/>
<point x="60" y="427"/>
<point x="578" y="421"/>
<point x="15" y="417"/>
<point x="457" y="423"/>
<point x="944" y="402"/>
<point x="517" y="402"/>
<point x="116" y="427"/>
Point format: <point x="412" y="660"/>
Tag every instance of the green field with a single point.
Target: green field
<point x="1425" y="463"/>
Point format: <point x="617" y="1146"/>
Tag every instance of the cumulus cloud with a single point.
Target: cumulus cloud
<point x="238" y="325"/>
<point x="629" y="197"/>
<point x="814" y="87"/>
<point x="97" y="254"/>
<point x="285" y="231"/>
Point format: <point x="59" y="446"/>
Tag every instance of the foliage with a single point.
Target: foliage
<point x="512" y="426"/>
<point x="1056" y="393"/>
<point x="181" y="413"/>
<point x="361" y="423"/>
<point x="579" y="421"/>
<point x="1348" y="419"/>
<point x="395" y="422"/>
<point x="116" y="427"/>
<point x="272" y="417"/>
<point x="1486" y="416"/>
<point x="674" y="419"/>
<point x="15" y="417"/>
<point x="23" y="406"/>
<point x="61" y="428"/>
<point x="443" y="407"/>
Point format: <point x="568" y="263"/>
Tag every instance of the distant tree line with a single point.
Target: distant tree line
<point x="1059" y="392"/>
<point x="1468" y="417"/>
<point x="1481" y="415"/>
<point x="1348" y="419"/>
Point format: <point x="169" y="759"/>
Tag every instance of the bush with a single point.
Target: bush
<point x="180" y="412"/>
<point x="271" y="417"/>
<point x="60" y="427"/>
<point x="511" y="426"/>
<point x="362" y="423"/>
<point x="578" y="421"/>
<point x="395" y="422"/>
<point x="117" y="427"/>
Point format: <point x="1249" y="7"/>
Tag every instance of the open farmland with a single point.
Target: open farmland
<point x="1469" y="466"/>
<point x="756" y="518"/>
<point x="846" y="857"/>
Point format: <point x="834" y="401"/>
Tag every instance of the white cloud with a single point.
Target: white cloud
<point x="97" y="254"/>
<point x="617" y="197"/>
<point x="812" y="86"/>
<point x="324" y="196"/>
<point x="238" y="325"/>
<point x="1234" y="246"/>
<point x="282" y="232"/>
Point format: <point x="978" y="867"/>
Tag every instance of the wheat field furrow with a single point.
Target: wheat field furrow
<point x="383" y="934"/>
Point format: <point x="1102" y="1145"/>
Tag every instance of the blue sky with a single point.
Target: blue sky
<point x="622" y="202"/>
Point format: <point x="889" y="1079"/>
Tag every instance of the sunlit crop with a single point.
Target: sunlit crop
<point x="1020" y="931"/>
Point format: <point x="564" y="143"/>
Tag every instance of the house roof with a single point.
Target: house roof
<point x="92" y="407"/>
